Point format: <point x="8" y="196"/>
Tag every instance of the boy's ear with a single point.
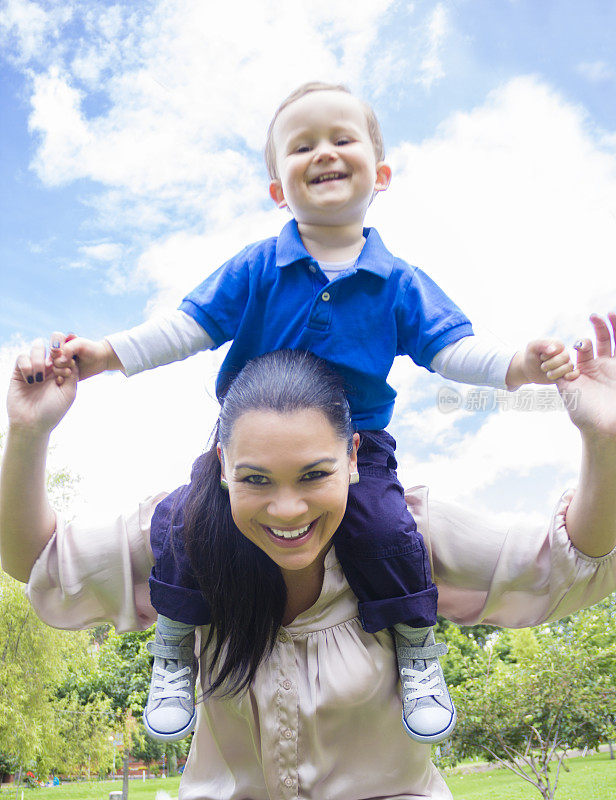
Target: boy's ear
<point x="276" y="193"/>
<point x="383" y="176"/>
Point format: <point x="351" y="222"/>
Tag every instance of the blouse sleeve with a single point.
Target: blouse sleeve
<point x="511" y="577"/>
<point x="88" y="575"/>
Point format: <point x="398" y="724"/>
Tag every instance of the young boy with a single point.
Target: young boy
<point x="327" y="285"/>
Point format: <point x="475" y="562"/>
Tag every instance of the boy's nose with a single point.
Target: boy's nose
<point x="325" y="152"/>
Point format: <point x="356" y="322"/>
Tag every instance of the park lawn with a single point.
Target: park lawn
<point x="590" y="778"/>
<point x="98" y="790"/>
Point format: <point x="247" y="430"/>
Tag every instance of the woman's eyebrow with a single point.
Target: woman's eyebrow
<point x="305" y="468"/>
<point x="254" y="467"/>
<point x="319" y="461"/>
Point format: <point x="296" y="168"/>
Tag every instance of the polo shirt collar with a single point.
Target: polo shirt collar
<point x="374" y="257"/>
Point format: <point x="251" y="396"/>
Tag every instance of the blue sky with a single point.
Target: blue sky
<point x="130" y="161"/>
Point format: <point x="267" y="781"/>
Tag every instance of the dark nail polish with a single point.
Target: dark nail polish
<point x="39" y="377"/>
<point x="30" y="379"/>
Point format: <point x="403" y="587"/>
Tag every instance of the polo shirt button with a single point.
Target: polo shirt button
<point x="286" y="685"/>
<point x="282" y="637"/>
<point x="288" y="734"/>
<point x="312" y="268"/>
<point x="288" y="782"/>
<point x="325" y="297"/>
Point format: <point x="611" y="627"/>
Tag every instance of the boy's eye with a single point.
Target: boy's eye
<point x="256" y="480"/>
<point x="302" y="148"/>
<point x="343" y="140"/>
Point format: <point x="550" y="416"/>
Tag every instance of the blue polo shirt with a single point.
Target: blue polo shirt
<point x="273" y="295"/>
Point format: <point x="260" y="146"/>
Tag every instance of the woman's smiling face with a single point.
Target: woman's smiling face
<point x="288" y="476"/>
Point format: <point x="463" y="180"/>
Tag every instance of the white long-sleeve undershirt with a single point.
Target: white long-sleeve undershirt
<point x="175" y="336"/>
<point x="163" y="339"/>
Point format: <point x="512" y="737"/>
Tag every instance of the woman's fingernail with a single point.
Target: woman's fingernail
<point x="30" y="379"/>
<point x="579" y="345"/>
<point x="55" y="345"/>
<point x="39" y="377"/>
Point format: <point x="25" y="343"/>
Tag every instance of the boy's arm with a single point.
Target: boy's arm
<point x="164" y="339"/>
<point x="478" y="360"/>
<point x="170" y="337"/>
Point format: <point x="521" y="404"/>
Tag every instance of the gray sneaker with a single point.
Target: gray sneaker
<point x="428" y="713"/>
<point x="170" y="714"/>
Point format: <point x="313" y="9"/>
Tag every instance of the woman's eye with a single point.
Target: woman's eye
<point x="256" y="480"/>
<point x="314" y="475"/>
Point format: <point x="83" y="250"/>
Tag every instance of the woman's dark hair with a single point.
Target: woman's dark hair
<point x="242" y="585"/>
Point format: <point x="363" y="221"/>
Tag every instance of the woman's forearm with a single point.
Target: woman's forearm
<point x="27" y="521"/>
<point x="591" y="517"/>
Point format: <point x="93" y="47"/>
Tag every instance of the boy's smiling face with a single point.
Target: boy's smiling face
<point x="326" y="162"/>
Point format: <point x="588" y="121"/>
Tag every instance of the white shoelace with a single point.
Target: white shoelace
<point x="421" y="684"/>
<point x="169" y="683"/>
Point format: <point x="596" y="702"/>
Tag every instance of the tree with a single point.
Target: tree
<point x="123" y="676"/>
<point x="34" y="659"/>
<point x="36" y="727"/>
<point x="64" y="695"/>
<point x="550" y="689"/>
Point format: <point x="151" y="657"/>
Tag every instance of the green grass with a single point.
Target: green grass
<point x="590" y="778"/>
<point x="97" y="790"/>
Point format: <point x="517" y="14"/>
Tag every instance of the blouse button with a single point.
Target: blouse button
<point x="282" y="637"/>
<point x="288" y="734"/>
<point x="286" y="685"/>
<point x="312" y="268"/>
<point x="288" y="782"/>
<point x="325" y="297"/>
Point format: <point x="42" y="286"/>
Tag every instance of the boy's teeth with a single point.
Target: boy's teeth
<point x="328" y="177"/>
<point x="290" y="534"/>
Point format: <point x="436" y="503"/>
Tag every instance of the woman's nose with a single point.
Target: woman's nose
<point x="287" y="506"/>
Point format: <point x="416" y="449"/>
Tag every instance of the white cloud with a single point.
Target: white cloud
<point x="185" y="81"/>
<point x="510" y="207"/>
<point x="431" y="67"/>
<point x="596" y="71"/>
<point x="166" y="105"/>
<point x="508" y="443"/>
<point x="102" y="251"/>
<point x="26" y="29"/>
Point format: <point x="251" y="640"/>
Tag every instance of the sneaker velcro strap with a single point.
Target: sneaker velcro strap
<point x="423" y="653"/>
<point x="170" y="652"/>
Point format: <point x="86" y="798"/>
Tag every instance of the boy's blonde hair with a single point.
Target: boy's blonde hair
<point x="374" y="129"/>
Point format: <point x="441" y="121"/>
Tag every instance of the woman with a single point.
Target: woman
<point x="320" y="716"/>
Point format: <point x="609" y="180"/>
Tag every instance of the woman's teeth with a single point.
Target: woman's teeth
<point x="291" y="534"/>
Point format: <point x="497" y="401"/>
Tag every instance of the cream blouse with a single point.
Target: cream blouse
<point x="321" y="720"/>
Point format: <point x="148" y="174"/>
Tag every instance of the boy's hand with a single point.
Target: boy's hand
<point x="93" y="357"/>
<point x="543" y="361"/>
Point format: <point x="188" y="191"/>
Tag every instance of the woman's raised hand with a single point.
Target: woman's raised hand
<point x="35" y="400"/>
<point x="591" y="398"/>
